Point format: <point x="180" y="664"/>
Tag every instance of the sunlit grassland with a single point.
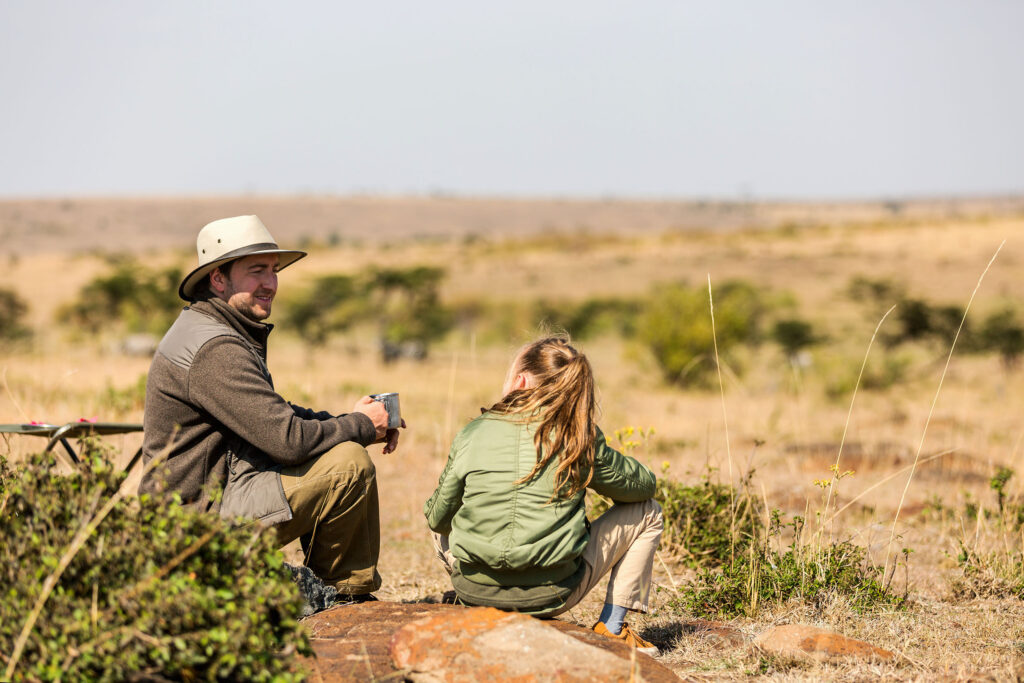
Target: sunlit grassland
<point x="785" y="420"/>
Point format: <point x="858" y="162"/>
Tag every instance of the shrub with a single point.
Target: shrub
<point x="409" y="309"/>
<point x="793" y="336"/>
<point x="131" y="296"/>
<point x="919" y="320"/>
<point x="760" y="575"/>
<point x="1002" y="332"/>
<point x="12" y="312"/>
<point x="700" y="526"/>
<point x="154" y="591"/>
<point x="328" y="306"/>
<point x="404" y="303"/>
<point x="590" y="317"/>
<point x="879" y="293"/>
<point x="915" y="321"/>
<point x="676" y="327"/>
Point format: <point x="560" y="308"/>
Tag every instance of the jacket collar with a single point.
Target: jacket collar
<point x="255" y="332"/>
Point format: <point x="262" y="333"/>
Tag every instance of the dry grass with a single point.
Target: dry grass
<point x="780" y="420"/>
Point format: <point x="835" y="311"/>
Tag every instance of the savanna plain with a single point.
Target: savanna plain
<point x="827" y="409"/>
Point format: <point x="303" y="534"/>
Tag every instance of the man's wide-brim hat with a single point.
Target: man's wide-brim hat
<point x="229" y="239"/>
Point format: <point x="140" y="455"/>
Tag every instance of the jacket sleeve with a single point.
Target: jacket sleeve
<point x="446" y="500"/>
<point x="307" y="414"/>
<point x="227" y="382"/>
<point x="620" y="477"/>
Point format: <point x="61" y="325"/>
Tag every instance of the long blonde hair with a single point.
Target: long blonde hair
<point x="564" y="402"/>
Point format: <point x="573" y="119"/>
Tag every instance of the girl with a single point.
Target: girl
<point x="508" y="512"/>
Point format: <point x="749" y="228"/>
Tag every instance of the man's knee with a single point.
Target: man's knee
<point x="352" y="459"/>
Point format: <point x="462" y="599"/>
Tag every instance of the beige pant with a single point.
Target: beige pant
<point x="623" y="541"/>
<point x="336" y="515"/>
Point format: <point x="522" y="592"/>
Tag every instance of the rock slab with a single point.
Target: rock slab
<point x="352" y="643"/>
<point x="797" y="640"/>
<point x="714" y="632"/>
<point x="485" y="644"/>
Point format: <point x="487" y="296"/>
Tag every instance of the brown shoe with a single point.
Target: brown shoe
<point x="628" y="636"/>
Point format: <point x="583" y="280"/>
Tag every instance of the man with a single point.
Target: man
<point x="235" y="445"/>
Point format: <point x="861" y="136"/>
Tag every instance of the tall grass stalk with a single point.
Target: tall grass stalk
<point x="931" y="411"/>
<point x="725" y="420"/>
<point x="849" y="415"/>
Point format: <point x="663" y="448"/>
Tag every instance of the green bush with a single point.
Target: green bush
<point x="878" y="293"/>
<point x="408" y="306"/>
<point x="919" y="320"/>
<point x="12" y="313"/>
<point x="404" y="303"/>
<point x="759" y="575"/>
<point x="155" y="590"/>
<point x="131" y="297"/>
<point x="331" y="304"/>
<point x="793" y="335"/>
<point x="591" y="317"/>
<point x="700" y="526"/>
<point x="1003" y="333"/>
<point x="676" y="327"/>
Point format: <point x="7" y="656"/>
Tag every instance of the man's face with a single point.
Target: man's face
<point x="249" y="286"/>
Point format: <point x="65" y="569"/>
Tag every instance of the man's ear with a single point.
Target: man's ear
<point x="218" y="281"/>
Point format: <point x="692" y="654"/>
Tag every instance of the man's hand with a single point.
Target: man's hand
<point x="392" y="440"/>
<point x="376" y="411"/>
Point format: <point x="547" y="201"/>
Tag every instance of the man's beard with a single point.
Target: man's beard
<point x="245" y="307"/>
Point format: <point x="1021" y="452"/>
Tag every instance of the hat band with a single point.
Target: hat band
<point x="242" y="251"/>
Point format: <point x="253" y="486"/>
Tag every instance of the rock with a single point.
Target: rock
<point x="483" y="643"/>
<point x="716" y="632"/>
<point x="797" y="640"/>
<point x="718" y="635"/>
<point x="351" y="643"/>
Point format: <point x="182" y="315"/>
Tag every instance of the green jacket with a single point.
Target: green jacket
<point x="510" y="538"/>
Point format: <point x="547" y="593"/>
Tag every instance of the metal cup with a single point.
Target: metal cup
<point x="390" y="401"/>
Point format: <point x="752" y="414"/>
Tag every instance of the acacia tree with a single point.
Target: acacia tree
<point x="332" y="304"/>
<point x="130" y="295"/>
<point x="404" y="304"/>
<point x="409" y="309"/>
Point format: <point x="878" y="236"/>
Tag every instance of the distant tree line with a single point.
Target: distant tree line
<point x="672" y="321"/>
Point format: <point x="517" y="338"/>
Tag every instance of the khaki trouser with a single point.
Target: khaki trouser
<point x="623" y="541"/>
<point x="336" y="515"/>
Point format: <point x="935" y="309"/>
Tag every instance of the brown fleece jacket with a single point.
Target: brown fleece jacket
<point x="209" y="397"/>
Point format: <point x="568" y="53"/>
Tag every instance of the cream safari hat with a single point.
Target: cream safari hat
<point x="228" y="239"/>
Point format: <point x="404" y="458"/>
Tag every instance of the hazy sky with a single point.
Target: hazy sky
<point x="667" y="99"/>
